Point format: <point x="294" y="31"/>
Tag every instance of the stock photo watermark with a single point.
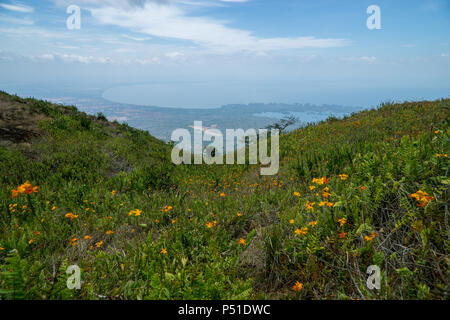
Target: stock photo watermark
<point x="73" y="22"/>
<point x="374" y="279"/>
<point x="374" y="20"/>
<point x="236" y="141"/>
<point x="74" y="279"/>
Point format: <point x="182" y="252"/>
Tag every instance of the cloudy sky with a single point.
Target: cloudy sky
<point x="244" y="51"/>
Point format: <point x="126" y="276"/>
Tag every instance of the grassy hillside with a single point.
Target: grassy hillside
<point x="370" y="189"/>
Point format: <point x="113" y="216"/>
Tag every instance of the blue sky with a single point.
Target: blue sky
<point x="240" y="51"/>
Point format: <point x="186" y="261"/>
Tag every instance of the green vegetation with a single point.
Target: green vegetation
<point x="370" y="189"/>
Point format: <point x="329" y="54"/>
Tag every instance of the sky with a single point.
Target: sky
<point x="206" y="53"/>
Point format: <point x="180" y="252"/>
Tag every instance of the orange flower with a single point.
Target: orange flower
<point x="343" y="177"/>
<point x="362" y="188"/>
<point x="87" y="237"/>
<point x="302" y="231"/>
<point x="242" y="241"/>
<point x="309" y="205"/>
<point x="297" y="287"/>
<point x="71" y="216"/>
<point x="109" y="232"/>
<point x="297" y="194"/>
<point x="222" y="195"/>
<point x="312" y="224"/>
<point x="321" y="181"/>
<point x="342" y="221"/>
<point x="163" y="251"/>
<point x="291" y="221"/>
<point x="209" y="224"/>
<point x="370" y="237"/>
<point x="342" y="235"/>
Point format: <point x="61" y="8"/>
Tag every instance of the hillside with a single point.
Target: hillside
<point x="369" y="189"/>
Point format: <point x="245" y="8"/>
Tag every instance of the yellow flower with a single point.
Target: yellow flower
<point x="309" y="205"/>
<point x="239" y="214"/>
<point x="164" y="251"/>
<point x="342" y="221"/>
<point x="242" y="241"/>
<point x="173" y="221"/>
<point x="209" y="224"/>
<point x="297" y="286"/>
<point x="223" y="195"/>
<point x="291" y="221"/>
<point x="99" y="244"/>
<point x="313" y="224"/>
<point x="442" y="155"/>
<point x="109" y="232"/>
<point x="297" y="194"/>
<point x="321" y="181"/>
<point x="87" y="237"/>
<point x="31" y="240"/>
<point x="113" y="192"/>
<point x="343" y="177"/>
<point x="312" y="187"/>
<point x="302" y="231"/>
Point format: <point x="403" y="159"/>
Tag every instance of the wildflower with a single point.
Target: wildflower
<point x="437" y="131"/>
<point x="302" y="231"/>
<point x="223" y="195"/>
<point x="370" y="237"/>
<point x="209" y="224"/>
<point x="156" y="221"/>
<point x="242" y="241"/>
<point x="163" y="251"/>
<point x="297" y="194"/>
<point x="99" y="244"/>
<point x="325" y="192"/>
<point x="135" y="212"/>
<point x="109" y="232"/>
<point x="113" y="192"/>
<point x="87" y="237"/>
<point x="312" y="188"/>
<point x="297" y="287"/>
<point x="53" y="208"/>
<point x="1" y="248"/>
<point x="239" y="214"/>
<point x="321" y="181"/>
<point x="362" y="188"/>
<point x="442" y="155"/>
<point x="173" y="221"/>
<point x="71" y="216"/>
<point x="31" y="240"/>
<point x="323" y="203"/>
<point x="343" y="177"/>
<point x="421" y="197"/>
<point x="312" y="224"/>
<point x="342" y="221"/>
<point x="309" y="205"/>
<point x="342" y="235"/>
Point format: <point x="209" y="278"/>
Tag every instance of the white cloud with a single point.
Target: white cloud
<point x="173" y="22"/>
<point x="445" y="55"/>
<point x="17" y="7"/>
<point x="11" y="20"/>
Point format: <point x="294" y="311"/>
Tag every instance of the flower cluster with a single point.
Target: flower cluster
<point x="422" y="198"/>
<point x="26" y="188"/>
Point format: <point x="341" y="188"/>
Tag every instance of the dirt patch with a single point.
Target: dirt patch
<point x="18" y="122"/>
